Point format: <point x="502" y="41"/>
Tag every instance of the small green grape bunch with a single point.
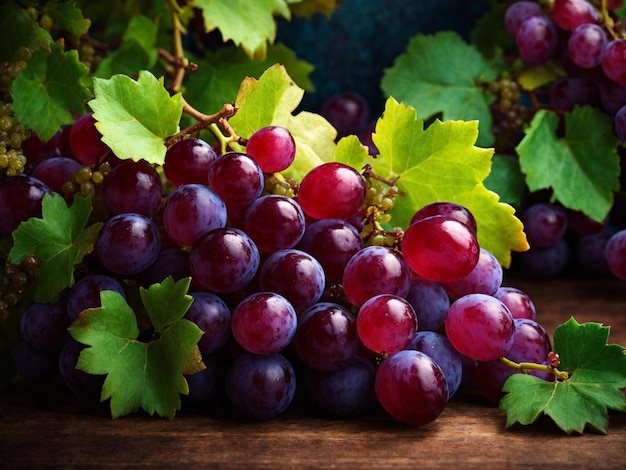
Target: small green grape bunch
<point x="276" y="183"/>
<point x="508" y="91"/>
<point x="87" y="180"/>
<point x="15" y="279"/>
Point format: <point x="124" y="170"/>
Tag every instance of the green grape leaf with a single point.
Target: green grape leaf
<point x="582" y="168"/>
<point x="250" y="27"/>
<point x="135" y="117"/>
<point x="147" y="375"/>
<point x="67" y="16"/>
<point x="351" y="152"/>
<point x="536" y="77"/>
<point x="597" y="373"/>
<point x="442" y="74"/>
<point x="137" y="51"/>
<point x="48" y="89"/>
<point x="307" y="8"/>
<point x="270" y="100"/>
<point x="506" y="179"/>
<point x="60" y="239"/>
<point x="220" y="74"/>
<point x="19" y="30"/>
<point x="442" y="163"/>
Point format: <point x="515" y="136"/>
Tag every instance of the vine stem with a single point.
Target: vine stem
<point x="559" y="374"/>
<point x="181" y="66"/>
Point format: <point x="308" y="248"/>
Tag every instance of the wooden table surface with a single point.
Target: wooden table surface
<point x="52" y="429"/>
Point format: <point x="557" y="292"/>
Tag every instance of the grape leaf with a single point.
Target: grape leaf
<point x="597" y="373"/>
<point x="220" y="74"/>
<point x="134" y="117"/>
<point x="250" y="26"/>
<point x="147" y="375"/>
<point x="506" y="179"/>
<point x="49" y="88"/>
<point x="442" y="74"/>
<point x="19" y="30"/>
<point x="441" y="163"/>
<point x="536" y="77"/>
<point x="67" y="16"/>
<point x="270" y="100"/>
<point x="137" y="51"/>
<point x="582" y="168"/>
<point x="60" y="239"/>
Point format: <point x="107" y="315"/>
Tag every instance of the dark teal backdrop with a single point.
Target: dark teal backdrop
<point x="352" y="48"/>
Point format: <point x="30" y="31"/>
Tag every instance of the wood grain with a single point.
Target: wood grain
<point x="53" y="429"/>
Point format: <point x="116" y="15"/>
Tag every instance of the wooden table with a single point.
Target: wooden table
<point x="54" y="430"/>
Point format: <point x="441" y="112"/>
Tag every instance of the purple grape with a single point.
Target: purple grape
<point x="439" y="349"/>
<point x="614" y="61"/>
<point x="543" y="263"/>
<point x="295" y="275"/>
<point x="332" y="242"/>
<point x="544" y="224"/>
<point x="128" y="244"/>
<point x="480" y="326"/>
<point x="518" y="12"/>
<point x="86" y="141"/>
<point x="586" y="45"/>
<point x="55" y="171"/>
<point x="44" y="326"/>
<point x="612" y="95"/>
<point x="326" y="338"/>
<point x="261" y="386"/>
<point x="20" y="199"/>
<point x="348" y="112"/>
<point x="81" y="384"/>
<point x="536" y="39"/>
<point x="620" y="124"/>
<point x="411" y="387"/>
<point x="489" y="378"/>
<point x="86" y="293"/>
<point x="237" y="178"/>
<point x="375" y="270"/>
<point x="346" y="392"/>
<point x="191" y="211"/>
<point x="386" y="324"/>
<point x="212" y="316"/>
<point x="569" y="14"/>
<point x="170" y="262"/>
<point x="430" y="302"/>
<point x="615" y="253"/>
<point x="568" y="92"/>
<point x="485" y="278"/>
<point x="264" y="323"/>
<point x="272" y="147"/>
<point x="451" y="210"/>
<point x="590" y="254"/>
<point x="204" y="385"/>
<point x="224" y="260"/>
<point x="188" y="162"/>
<point x="531" y="342"/>
<point x="132" y="187"/>
<point x="518" y="302"/>
<point x="274" y="223"/>
<point x="331" y="190"/>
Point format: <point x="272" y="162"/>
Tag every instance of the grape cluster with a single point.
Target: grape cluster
<point x="14" y="281"/>
<point x="587" y="40"/>
<point x="12" y="134"/>
<point x="290" y="293"/>
<point x="562" y="240"/>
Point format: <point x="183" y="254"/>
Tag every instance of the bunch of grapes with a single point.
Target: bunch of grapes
<point x="12" y="134"/>
<point x="288" y="291"/>
<point x="586" y="40"/>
